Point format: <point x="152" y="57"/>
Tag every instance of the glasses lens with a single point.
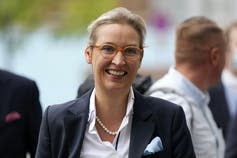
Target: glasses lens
<point x="132" y="53"/>
<point x="108" y="49"/>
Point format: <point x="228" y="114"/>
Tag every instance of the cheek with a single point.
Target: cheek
<point x="135" y="66"/>
<point x="138" y="64"/>
<point x="99" y="63"/>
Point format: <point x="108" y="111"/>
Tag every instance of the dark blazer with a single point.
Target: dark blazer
<point x="20" y="116"/>
<point x="219" y="107"/>
<point x="231" y="141"/>
<point x="63" y="128"/>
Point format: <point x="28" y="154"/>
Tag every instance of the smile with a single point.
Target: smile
<point x="116" y="73"/>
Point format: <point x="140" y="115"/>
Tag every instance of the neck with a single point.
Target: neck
<point x="111" y="105"/>
<point x="195" y="75"/>
<point x="110" y="109"/>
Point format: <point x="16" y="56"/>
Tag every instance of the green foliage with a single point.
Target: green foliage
<point x="64" y="17"/>
<point x="79" y="13"/>
<point x="18" y="13"/>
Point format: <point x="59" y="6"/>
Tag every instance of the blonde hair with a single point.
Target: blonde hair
<point x="118" y="15"/>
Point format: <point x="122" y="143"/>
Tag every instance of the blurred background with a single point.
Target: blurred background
<point x="45" y="39"/>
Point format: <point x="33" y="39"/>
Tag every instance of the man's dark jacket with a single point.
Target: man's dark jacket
<point x="219" y="107"/>
<point x="20" y="116"/>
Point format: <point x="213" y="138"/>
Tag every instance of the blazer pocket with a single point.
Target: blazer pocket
<point x="159" y="154"/>
<point x="12" y="117"/>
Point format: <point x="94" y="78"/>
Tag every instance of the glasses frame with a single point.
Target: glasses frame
<point x="118" y="49"/>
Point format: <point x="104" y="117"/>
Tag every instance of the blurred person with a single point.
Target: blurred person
<point x="231" y="142"/>
<point x="86" y="85"/>
<point x="113" y="119"/>
<point x="20" y="116"/>
<point x="230" y="72"/>
<point x="223" y="103"/>
<point x="199" y="60"/>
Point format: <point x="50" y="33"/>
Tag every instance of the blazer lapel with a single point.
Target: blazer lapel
<point x="74" y="132"/>
<point x="75" y="126"/>
<point x="142" y="128"/>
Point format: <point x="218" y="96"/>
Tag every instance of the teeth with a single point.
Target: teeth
<point x="117" y="73"/>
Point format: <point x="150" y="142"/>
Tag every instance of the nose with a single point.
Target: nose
<point x="118" y="59"/>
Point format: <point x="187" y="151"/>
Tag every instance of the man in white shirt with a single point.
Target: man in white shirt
<point x="199" y="61"/>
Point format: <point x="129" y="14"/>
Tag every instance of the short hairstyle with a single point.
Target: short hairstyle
<point x="194" y="37"/>
<point x="118" y="15"/>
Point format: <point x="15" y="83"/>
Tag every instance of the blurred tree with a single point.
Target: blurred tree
<point x="63" y="17"/>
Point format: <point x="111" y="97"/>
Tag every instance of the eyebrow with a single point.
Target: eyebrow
<point x="119" y="46"/>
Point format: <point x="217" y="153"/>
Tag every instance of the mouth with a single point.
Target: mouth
<point x="116" y="72"/>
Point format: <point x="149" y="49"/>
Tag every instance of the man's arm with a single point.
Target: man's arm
<point x="34" y="117"/>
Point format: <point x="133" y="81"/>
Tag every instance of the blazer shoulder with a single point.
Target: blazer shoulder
<point x="157" y="104"/>
<point x="71" y="108"/>
<point x="62" y="106"/>
<point x="160" y="103"/>
<point x="59" y="109"/>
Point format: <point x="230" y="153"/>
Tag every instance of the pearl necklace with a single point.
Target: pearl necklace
<point x="105" y="128"/>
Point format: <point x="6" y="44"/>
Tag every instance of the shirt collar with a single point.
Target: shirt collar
<point x="92" y="110"/>
<point x="188" y="88"/>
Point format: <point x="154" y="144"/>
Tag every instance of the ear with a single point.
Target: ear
<point x="214" y="56"/>
<point x="88" y="55"/>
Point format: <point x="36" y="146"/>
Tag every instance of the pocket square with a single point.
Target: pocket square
<point x="12" y="116"/>
<point x="154" y="146"/>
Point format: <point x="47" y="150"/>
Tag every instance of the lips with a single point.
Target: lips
<point x="116" y="72"/>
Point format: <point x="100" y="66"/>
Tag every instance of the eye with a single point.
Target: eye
<point x="108" y="49"/>
<point x="131" y="51"/>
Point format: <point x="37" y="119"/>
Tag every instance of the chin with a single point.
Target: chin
<point x="115" y="86"/>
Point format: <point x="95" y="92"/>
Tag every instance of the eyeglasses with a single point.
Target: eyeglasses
<point x="108" y="51"/>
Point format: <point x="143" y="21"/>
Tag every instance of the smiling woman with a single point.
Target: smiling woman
<point x="115" y="73"/>
<point x="113" y="119"/>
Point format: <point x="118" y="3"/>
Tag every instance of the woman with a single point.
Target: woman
<point x="113" y="120"/>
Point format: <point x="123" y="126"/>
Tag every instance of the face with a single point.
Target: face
<point x="233" y="39"/>
<point x="116" y="73"/>
<point x="233" y="49"/>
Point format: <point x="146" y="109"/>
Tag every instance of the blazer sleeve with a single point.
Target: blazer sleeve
<point x="43" y="149"/>
<point x="34" y="117"/>
<point x="181" y="141"/>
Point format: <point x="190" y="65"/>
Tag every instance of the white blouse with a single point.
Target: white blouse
<point x="94" y="147"/>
